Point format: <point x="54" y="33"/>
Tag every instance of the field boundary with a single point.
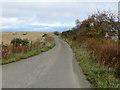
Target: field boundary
<point x="21" y="56"/>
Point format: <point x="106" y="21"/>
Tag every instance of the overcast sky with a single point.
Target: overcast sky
<point x="48" y="16"/>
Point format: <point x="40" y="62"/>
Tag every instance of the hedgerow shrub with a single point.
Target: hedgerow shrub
<point x="25" y="42"/>
<point x="56" y="33"/>
<point x="18" y="41"/>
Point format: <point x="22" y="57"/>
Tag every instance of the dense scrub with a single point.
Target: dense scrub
<point x="98" y="75"/>
<point x="90" y="35"/>
<point x="56" y="33"/>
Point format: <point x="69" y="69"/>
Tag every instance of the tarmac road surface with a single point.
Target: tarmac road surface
<point x="55" y="68"/>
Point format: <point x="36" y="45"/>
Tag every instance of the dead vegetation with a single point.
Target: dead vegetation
<point x="9" y="50"/>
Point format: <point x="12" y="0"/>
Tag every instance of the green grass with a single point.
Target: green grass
<point x="20" y="56"/>
<point x="98" y="76"/>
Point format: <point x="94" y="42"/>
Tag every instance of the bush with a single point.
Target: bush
<point x="99" y="76"/>
<point x="18" y="41"/>
<point x="25" y="42"/>
<point x="56" y="33"/>
<point x="44" y="35"/>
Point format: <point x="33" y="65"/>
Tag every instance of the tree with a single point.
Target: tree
<point x="78" y="23"/>
<point x="56" y="33"/>
<point x="96" y="25"/>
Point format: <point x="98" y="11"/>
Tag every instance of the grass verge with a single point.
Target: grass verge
<point x="20" y="56"/>
<point x="98" y="76"/>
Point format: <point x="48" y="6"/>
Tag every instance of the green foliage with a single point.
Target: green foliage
<point x="95" y="26"/>
<point x="18" y="41"/>
<point x="117" y="69"/>
<point x="25" y="42"/>
<point x="56" y="33"/>
<point x="100" y="77"/>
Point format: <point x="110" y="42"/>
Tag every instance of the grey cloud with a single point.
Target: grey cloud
<point x="52" y="13"/>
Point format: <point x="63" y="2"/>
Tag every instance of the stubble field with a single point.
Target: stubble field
<point x="32" y="36"/>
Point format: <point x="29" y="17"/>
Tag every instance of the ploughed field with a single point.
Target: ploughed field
<point x="32" y="36"/>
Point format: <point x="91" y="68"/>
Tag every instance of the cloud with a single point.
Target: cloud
<point x="59" y="0"/>
<point x="46" y="15"/>
<point x="51" y="25"/>
<point x="13" y="22"/>
<point x="6" y="27"/>
<point x="10" y="21"/>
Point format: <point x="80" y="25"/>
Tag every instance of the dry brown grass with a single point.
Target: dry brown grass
<point x="106" y="52"/>
<point x="32" y="36"/>
<point x="10" y="50"/>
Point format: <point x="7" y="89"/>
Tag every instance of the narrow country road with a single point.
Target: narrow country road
<point x="53" y="69"/>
